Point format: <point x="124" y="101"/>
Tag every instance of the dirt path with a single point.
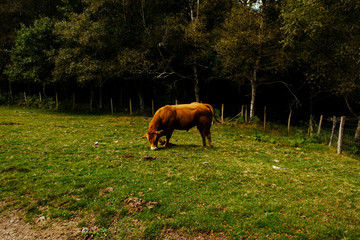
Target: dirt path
<point x="13" y="227"/>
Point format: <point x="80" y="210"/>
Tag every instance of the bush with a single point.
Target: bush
<point x="31" y="101"/>
<point x="5" y="99"/>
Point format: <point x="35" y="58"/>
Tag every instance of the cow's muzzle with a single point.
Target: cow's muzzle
<point x="154" y="148"/>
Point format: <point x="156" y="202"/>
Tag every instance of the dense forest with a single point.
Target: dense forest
<point x="298" y="54"/>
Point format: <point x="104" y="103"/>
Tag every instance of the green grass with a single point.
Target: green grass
<point x="50" y="165"/>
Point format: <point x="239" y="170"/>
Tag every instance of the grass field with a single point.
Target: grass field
<point x="251" y="185"/>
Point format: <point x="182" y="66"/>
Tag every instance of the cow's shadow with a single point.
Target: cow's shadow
<point x="183" y="146"/>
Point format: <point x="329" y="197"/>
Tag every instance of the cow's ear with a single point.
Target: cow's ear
<point x="144" y="137"/>
<point x="160" y="133"/>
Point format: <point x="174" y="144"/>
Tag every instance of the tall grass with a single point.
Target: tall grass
<point x="252" y="184"/>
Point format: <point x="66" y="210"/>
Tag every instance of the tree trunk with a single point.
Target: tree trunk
<point x="91" y="100"/>
<point x="74" y="103"/>
<point x="121" y="97"/>
<point x="194" y="20"/>
<point x="253" y="88"/>
<point x="43" y="89"/>
<point x="253" y="94"/>
<point x="11" y="92"/>
<point x="141" y="101"/>
<point x="253" y="98"/>
<point x="196" y="83"/>
<point x="100" y="96"/>
<point x="57" y="100"/>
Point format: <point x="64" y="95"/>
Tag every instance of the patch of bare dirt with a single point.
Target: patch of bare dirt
<point x="171" y="234"/>
<point x="105" y="191"/>
<point x="13" y="227"/>
<point x="9" y="123"/>
<point x="137" y="204"/>
<point x="148" y="158"/>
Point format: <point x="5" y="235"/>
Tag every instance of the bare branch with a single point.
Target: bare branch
<point x="350" y="108"/>
<point x="286" y="85"/>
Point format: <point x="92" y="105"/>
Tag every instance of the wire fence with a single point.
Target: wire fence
<point x="321" y="127"/>
<point x="294" y="120"/>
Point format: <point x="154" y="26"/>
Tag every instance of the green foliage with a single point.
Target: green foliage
<point x="31" y="101"/>
<point x="325" y="42"/>
<point x="170" y="44"/>
<point x="29" y="58"/>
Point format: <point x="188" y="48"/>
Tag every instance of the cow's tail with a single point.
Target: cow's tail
<point x="213" y="112"/>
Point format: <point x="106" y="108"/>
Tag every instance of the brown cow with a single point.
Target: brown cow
<point x="181" y="117"/>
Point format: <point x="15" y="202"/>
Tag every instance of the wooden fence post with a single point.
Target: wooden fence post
<point x="130" y="106"/>
<point x="265" y="117"/>
<point x="242" y="111"/>
<point x="341" y="133"/>
<point x="222" y="112"/>
<point x="289" y="120"/>
<point x="357" y="132"/>
<point x="246" y="114"/>
<point x="334" y="119"/>
<point x="111" y="106"/>
<point x="57" y="101"/>
<point x="176" y="102"/>
<point x="40" y="99"/>
<point x="25" y="98"/>
<point x="311" y="128"/>
<point x="320" y="123"/>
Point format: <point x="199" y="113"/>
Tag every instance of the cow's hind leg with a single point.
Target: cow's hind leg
<point x="208" y="135"/>
<point x="202" y="136"/>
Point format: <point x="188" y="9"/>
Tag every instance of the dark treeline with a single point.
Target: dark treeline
<point x="301" y="54"/>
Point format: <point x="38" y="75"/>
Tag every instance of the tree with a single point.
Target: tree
<point x="90" y="45"/>
<point x="325" y="39"/>
<point x="29" y="56"/>
<point x="200" y="29"/>
<point x="249" y="46"/>
<point x="13" y="14"/>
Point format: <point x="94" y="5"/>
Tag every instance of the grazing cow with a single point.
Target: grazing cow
<point x="181" y="117"/>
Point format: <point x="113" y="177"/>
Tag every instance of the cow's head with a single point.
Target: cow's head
<point x="153" y="138"/>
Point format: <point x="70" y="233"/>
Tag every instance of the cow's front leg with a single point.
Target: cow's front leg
<point x="168" y="136"/>
<point x="162" y="142"/>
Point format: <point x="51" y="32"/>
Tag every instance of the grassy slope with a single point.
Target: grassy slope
<point x="50" y="166"/>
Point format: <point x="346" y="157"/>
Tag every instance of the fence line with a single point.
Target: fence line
<point x="330" y="130"/>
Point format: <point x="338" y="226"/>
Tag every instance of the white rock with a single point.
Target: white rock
<point x="278" y="168"/>
<point x="41" y="219"/>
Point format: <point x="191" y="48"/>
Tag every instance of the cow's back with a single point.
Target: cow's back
<point x="182" y="117"/>
<point x="190" y="115"/>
